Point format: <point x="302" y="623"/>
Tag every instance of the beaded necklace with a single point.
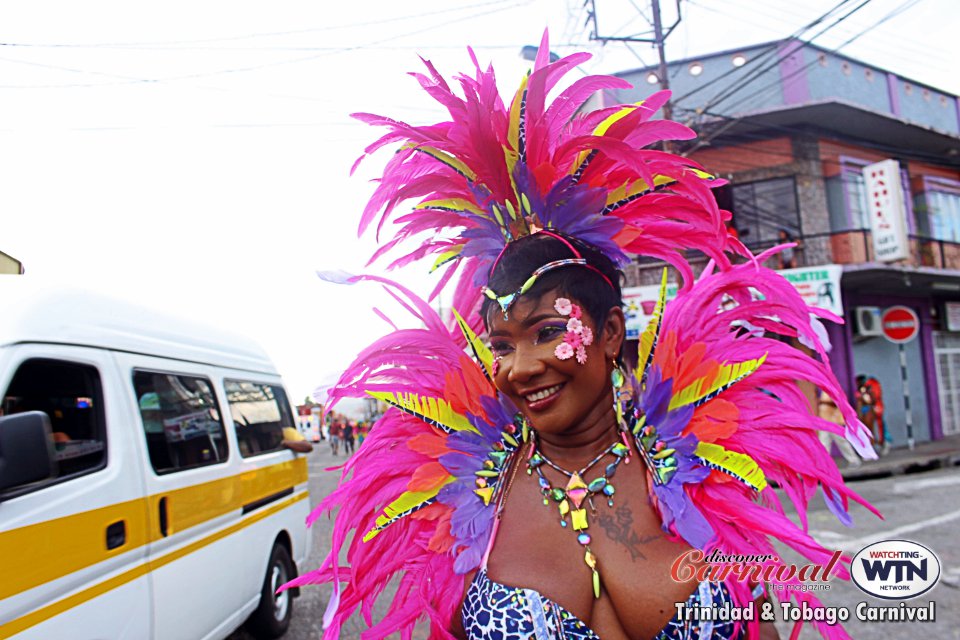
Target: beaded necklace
<point x="570" y="499"/>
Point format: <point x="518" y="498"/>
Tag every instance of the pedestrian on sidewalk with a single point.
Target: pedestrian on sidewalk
<point x="828" y="410"/>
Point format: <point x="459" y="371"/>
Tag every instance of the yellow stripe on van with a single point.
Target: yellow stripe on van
<point x="56" y="608"/>
<point x="42" y="552"/>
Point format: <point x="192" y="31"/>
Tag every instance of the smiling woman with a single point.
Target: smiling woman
<point x="542" y="488"/>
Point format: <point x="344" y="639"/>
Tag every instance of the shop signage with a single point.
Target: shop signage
<point x="952" y="313"/>
<point x="638" y="305"/>
<point x="885" y="204"/>
<point x="900" y="324"/>
<point x="818" y="286"/>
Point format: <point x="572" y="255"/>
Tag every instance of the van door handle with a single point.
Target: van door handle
<point x="163" y="517"/>
<point x="116" y="535"/>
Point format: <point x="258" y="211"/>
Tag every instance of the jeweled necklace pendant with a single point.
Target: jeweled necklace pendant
<point x="570" y="500"/>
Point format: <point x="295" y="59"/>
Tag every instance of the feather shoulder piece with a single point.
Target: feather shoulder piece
<point x="417" y="499"/>
<point x="720" y="418"/>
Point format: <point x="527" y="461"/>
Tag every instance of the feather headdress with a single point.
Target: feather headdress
<point x="495" y="172"/>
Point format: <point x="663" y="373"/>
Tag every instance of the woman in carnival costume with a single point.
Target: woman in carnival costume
<point x="533" y="484"/>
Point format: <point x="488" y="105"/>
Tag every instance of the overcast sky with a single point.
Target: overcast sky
<point x="194" y="156"/>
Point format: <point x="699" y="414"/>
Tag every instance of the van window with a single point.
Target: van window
<point x="260" y="412"/>
<point x="181" y="421"/>
<point x="70" y="394"/>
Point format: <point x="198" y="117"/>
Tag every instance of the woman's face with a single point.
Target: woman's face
<point x="555" y="394"/>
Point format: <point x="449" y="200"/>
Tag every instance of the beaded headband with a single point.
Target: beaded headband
<point x="506" y="301"/>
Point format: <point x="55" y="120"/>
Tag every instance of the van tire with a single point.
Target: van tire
<point x="272" y="616"/>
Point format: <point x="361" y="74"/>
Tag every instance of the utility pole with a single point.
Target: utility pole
<point x="659" y="38"/>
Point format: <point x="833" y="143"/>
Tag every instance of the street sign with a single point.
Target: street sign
<point x="900" y="324"/>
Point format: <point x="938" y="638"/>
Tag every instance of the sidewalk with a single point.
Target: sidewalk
<point x="901" y="460"/>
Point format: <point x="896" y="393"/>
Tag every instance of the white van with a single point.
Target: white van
<point x="144" y="492"/>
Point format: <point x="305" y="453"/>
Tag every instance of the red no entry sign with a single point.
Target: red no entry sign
<point x="900" y="324"/>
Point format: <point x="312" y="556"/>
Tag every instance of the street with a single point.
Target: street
<point x="922" y="507"/>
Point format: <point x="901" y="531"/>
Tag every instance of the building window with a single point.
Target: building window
<point x="761" y="210"/>
<point x="847" y="198"/>
<point x="70" y="394"/>
<point x="939" y="210"/>
<point x="260" y="413"/>
<point x="181" y="421"/>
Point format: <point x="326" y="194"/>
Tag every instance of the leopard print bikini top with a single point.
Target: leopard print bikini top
<point x="493" y="611"/>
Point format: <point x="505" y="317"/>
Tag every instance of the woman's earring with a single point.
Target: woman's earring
<point x="621" y="393"/>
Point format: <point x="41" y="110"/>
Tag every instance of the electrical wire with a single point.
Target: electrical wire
<point x="128" y="80"/>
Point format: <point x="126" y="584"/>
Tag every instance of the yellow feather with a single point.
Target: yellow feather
<point x="728" y="375"/>
<point x="445" y="257"/>
<point x="653" y="328"/>
<point x="614" y="117"/>
<point x="457" y="204"/>
<point x="513" y="131"/>
<point x="432" y="409"/>
<point x="481" y="350"/>
<point x="738" y="465"/>
<point x="407" y="501"/>
<point x="448" y="160"/>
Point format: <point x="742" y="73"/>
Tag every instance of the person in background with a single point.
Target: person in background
<point x="363" y="428"/>
<point x="349" y="429"/>
<point x="336" y="429"/>
<point x="787" y="258"/>
<point x="870" y="406"/>
<point x="829" y="411"/>
<point x="294" y="440"/>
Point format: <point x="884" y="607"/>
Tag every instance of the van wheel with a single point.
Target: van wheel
<point x="272" y="616"/>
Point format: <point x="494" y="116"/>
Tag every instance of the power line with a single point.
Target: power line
<point x="259" y="34"/>
<point x="764" y="53"/>
<point x="903" y="7"/>
<point x="129" y="80"/>
<point x="734" y="88"/>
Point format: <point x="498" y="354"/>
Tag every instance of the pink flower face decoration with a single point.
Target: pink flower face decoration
<point x="578" y="336"/>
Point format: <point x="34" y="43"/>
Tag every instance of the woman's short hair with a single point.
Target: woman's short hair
<point x="524" y="256"/>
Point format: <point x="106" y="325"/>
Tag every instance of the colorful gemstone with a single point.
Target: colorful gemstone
<point x="509" y="439"/>
<point x="564" y="508"/>
<point x="663" y="453"/>
<point x="488" y="464"/>
<point x="576" y="489"/>
<point x="544" y="483"/>
<point x="557" y="494"/>
<point x="597" y="485"/>
<point x="498" y="457"/>
<point x="590" y="559"/>
<point x="619" y="450"/>
<point x="485" y="493"/>
<point x="610" y="470"/>
<point x="616" y="376"/>
<point x="609" y="490"/>
<point x="535" y="461"/>
<point x="584" y="538"/>
<point x="481" y="483"/>
<point x="596" y="584"/>
<point x="579" y="518"/>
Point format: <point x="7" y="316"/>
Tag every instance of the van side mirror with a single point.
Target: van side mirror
<point x="26" y="449"/>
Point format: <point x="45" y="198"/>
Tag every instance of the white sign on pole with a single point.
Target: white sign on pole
<point x="888" y="217"/>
